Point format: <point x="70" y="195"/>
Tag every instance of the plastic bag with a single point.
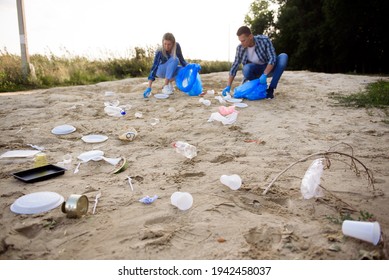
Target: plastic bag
<point x="188" y="79"/>
<point x="252" y="90"/>
<point x="311" y="181"/>
<point x="229" y="119"/>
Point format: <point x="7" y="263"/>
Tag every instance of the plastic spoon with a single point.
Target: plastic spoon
<point x="96" y="200"/>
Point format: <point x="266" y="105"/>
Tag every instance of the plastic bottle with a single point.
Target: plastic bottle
<point x="114" y="111"/>
<point x="185" y="149"/>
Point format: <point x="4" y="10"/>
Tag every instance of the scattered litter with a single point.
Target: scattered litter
<point x="96" y="200"/>
<point x="154" y="121"/>
<point x="129" y="181"/>
<point x="229" y="119"/>
<point x="148" y="199"/>
<point x="310" y="185"/>
<point x="20" y="129"/>
<point x="39" y="148"/>
<point x="205" y="102"/>
<point x="221" y="100"/>
<point x="129" y="135"/>
<point x="19" y="153"/>
<point x="223" y="110"/>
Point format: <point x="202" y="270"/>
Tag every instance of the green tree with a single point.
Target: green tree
<point x="327" y="35"/>
<point x="260" y="18"/>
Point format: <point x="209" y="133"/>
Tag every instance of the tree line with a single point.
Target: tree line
<point x="333" y="36"/>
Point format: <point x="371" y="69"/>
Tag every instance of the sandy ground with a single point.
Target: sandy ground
<point x="268" y="136"/>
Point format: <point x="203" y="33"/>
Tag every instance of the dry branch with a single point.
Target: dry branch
<point x="327" y="154"/>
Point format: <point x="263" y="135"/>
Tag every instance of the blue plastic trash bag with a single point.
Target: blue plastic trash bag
<point x="252" y="90"/>
<point x="188" y="79"/>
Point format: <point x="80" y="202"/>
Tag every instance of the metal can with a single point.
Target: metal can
<point x="76" y="206"/>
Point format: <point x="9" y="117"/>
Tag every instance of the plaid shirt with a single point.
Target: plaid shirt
<point x="263" y="48"/>
<point x="160" y="59"/>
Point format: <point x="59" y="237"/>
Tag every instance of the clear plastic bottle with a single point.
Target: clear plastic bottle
<point x="114" y="111"/>
<point x="185" y="149"/>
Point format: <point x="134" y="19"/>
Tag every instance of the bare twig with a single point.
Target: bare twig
<point x="327" y="154"/>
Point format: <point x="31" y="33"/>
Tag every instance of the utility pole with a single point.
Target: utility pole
<point x="23" y="39"/>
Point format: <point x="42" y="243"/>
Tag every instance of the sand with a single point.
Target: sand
<point x="267" y="137"/>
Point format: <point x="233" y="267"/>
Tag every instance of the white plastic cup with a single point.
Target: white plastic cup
<point x="138" y="115"/>
<point x="232" y="181"/>
<point x="182" y="200"/>
<point x="154" y="121"/>
<point x="366" y="231"/>
<point x="67" y="161"/>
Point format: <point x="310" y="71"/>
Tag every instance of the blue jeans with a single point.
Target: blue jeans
<point x="252" y="71"/>
<point x="169" y="69"/>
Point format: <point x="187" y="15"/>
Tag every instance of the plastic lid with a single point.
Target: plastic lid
<point x="38" y="202"/>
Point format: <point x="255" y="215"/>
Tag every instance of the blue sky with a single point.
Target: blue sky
<point x="96" y="28"/>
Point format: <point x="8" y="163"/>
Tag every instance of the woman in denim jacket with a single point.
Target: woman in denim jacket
<point x="165" y="64"/>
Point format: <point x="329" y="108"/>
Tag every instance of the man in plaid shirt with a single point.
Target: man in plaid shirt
<point x="259" y="60"/>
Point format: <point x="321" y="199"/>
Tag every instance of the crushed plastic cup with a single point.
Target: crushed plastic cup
<point x="366" y="231"/>
<point x="182" y="200"/>
<point x="154" y="121"/>
<point x="171" y="110"/>
<point x="232" y="181"/>
<point x="205" y="102"/>
<point x="67" y="161"/>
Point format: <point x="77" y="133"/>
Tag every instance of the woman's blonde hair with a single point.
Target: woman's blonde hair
<point x="169" y="37"/>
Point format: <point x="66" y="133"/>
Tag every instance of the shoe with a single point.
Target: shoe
<point x="245" y="80"/>
<point x="167" y="89"/>
<point x="270" y="93"/>
<point x="171" y="87"/>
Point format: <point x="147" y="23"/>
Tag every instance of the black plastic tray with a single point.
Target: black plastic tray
<point x="39" y="173"/>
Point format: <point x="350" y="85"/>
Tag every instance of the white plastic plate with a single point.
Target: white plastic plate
<point x="233" y="100"/>
<point x="94" y="138"/>
<point x="38" y="202"/>
<point x="241" y="105"/>
<point x="161" y="96"/>
<point x="63" y="129"/>
<point x="87" y="156"/>
<point x="19" y="153"/>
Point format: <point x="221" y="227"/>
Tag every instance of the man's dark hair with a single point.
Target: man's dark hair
<point x="243" y="30"/>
